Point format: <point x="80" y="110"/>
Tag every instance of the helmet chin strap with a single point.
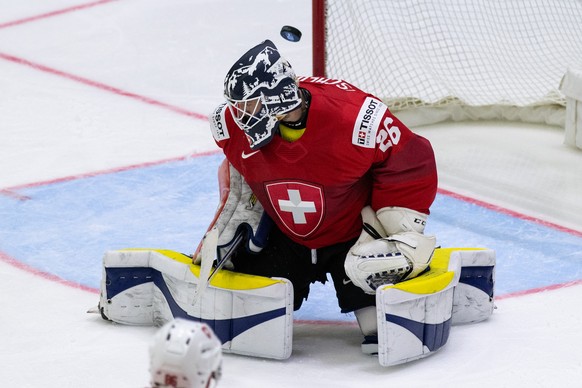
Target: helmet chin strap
<point x="293" y="130"/>
<point x="297" y="118"/>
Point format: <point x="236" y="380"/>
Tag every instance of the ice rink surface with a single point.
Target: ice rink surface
<point x="104" y="144"/>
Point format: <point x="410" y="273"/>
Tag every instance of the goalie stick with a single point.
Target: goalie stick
<point x="260" y="238"/>
<point x="207" y="253"/>
<point x="220" y="262"/>
<point x="208" y="250"/>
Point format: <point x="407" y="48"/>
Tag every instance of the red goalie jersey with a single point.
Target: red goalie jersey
<point x="353" y="153"/>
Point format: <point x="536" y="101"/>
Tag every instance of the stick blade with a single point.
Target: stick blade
<point x="209" y="244"/>
<point x="208" y="254"/>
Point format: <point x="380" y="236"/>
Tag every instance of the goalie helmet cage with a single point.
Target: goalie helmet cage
<point x="452" y="59"/>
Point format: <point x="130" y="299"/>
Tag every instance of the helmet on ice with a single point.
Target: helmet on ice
<point x="260" y="88"/>
<point x="185" y="354"/>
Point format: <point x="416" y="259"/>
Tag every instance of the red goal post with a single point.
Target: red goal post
<point x="452" y="59"/>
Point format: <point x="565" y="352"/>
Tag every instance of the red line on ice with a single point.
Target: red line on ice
<point x="54" y="13"/>
<point x="86" y="81"/>
<point x="104" y="87"/>
<point x="45" y="275"/>
<point x="327" y="323"/>
<point x="12" y="194"/>
<point x="104" y="172"/>
<point x="510" y="212"/>
<point x="10" y="191"/>
<point x="540" y="289"/>
<point x="7" y="259"/>
<point x="24" y="267"/>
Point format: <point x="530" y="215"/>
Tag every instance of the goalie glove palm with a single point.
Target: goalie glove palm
<point x="389" y="260"/>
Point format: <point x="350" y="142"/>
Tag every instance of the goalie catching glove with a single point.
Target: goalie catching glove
<point x="391" y="248"/>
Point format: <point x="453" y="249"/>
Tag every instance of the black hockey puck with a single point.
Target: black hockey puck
<point x="291" y="34"/>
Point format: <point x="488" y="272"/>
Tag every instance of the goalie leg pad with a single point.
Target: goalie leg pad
<point x="474" y="295"/>
<point x="251" y="315"/>
<point x="414" y="316"/>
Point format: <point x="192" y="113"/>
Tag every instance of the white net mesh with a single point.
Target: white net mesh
<point x="475" y="53"/>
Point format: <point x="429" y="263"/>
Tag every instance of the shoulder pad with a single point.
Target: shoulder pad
<point x="218" y="123"/>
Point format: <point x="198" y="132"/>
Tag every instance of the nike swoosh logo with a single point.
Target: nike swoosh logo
<point x="246" y="156"/>
<point x="346" y="281"/>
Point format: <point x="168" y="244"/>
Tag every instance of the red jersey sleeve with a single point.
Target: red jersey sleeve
<point x="404" y="170"/>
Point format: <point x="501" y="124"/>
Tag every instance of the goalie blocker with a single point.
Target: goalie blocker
<point x="252" y="315"/>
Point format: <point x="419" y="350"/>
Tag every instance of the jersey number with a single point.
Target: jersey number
<point x="389" y="135"/>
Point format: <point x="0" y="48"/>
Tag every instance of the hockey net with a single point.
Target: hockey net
<point x="453" y="59"/>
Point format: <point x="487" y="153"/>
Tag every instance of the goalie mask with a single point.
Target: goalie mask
<point x="185" y="354"/>
<point x="260" y="88"/>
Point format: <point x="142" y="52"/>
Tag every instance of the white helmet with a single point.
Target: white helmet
<point x="185" y="354"/>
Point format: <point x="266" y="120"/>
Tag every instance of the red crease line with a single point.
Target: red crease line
<point x="511" y="213"/>
<point x="45" y="275"/>
<point x="540" y="289"/>
<point x="104" y="172"/>
<point x="12" y="194"/>
<point x="50" y="277"/>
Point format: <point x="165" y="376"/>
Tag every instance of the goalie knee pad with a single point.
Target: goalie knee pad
<point x="366" y="318"/>
<point x="368" y="323"/>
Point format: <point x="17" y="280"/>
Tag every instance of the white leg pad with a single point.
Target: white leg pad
<point x="414" y="316"/>
<point x="251" y="315"/>
<point x="474" y="295"/>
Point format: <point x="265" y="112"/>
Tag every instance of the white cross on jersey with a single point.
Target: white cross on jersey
<point x="296" y="206"/>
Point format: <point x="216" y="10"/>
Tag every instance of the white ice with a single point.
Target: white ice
<point x="175" y="53"/>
